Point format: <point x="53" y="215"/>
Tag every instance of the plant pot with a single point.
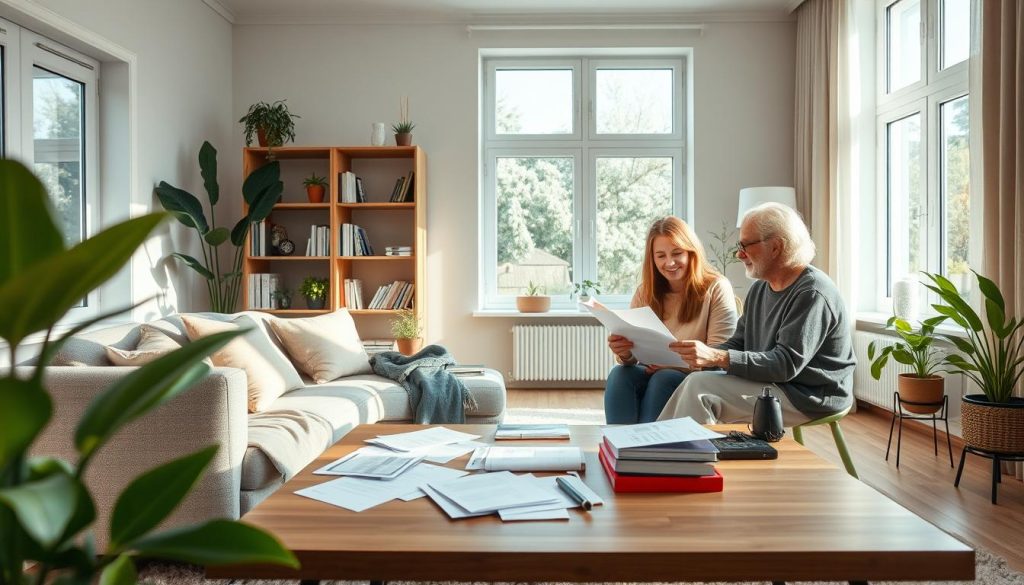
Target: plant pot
<point x="533" y="304"/>
<point x="409" y="346"/>
<point x="315" y="193"/>
<point x="993" y="426"/>
<point x="921" y="395"/>
<point x="261" y="137"/>
<point x="403" y="139"/>
<point x="316" y="304"/>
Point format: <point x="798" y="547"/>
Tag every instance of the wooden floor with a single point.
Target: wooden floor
<point x="923" y="483"/>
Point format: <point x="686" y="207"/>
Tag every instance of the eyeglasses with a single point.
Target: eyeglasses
<point x="742" y="246"/>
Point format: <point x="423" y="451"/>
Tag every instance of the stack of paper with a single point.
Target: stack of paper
<point x="358" y="494"/>
<point x="512" y="497"/>
<point x="491" y="458"/>
<point x="357" y="464"/>
<point x="417" y="440"/>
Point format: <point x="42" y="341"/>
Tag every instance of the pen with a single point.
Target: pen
<point x="574" y="493"/>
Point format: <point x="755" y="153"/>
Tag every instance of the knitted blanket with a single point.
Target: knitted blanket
<point x="435" y="395"/>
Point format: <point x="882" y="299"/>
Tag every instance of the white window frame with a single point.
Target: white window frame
<point x="936" y="87"/>
<point x="585" y="146"/>
<point x="22" y="52"/>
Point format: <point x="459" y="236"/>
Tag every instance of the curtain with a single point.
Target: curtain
<point x="997" y="86"/>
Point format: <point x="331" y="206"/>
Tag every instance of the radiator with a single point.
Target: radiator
<point x="552" y="353"/>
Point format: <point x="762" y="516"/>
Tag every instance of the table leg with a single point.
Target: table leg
<point x="995" y="477"/>
<point x="960" y="471"/>
<point x="309" y="582"/>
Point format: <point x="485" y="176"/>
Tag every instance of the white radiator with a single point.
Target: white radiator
<point x="552" y="353"/>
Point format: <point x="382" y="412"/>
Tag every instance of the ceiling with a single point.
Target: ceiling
<point x="466" y="11"/>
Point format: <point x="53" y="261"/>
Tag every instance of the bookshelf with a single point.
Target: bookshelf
<point x="386" y="224"/>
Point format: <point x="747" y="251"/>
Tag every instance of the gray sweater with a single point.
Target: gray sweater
<point x="798" y="338"/>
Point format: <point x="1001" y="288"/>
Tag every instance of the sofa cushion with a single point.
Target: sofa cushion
<point x="325" y="347"/>
<point x="269" y="373"/>
<point x="153" y="343"/>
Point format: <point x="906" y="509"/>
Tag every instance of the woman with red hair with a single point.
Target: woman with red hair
<point x="693" y="300"/>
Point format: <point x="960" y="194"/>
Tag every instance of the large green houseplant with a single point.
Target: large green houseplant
<point x="270" y="124"/>
<point x="993" y="358"/>
<point x="261" y="190"/>
<point x="46" y="510"/>
<point x="921" y="391"/>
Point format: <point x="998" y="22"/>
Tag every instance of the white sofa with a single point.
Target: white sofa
<point x="214" y="411"/>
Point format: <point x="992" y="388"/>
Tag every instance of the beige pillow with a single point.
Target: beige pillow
<point x="153" y="344"/>
<point x="325" y="347"/>
<point x="269" y="372"/>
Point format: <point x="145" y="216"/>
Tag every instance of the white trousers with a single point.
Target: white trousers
<point x="716" y="397"/>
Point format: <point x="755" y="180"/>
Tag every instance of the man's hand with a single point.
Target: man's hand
<point x="621" y="347"/>
<point x="698" y="355"/>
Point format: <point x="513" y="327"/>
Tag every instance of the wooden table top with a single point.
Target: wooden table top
<point x="797" y="518"/>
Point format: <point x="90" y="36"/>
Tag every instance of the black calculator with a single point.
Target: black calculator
<point x="742" y="446"/>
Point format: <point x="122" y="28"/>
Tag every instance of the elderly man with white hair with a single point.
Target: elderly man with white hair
<point x="793" y="336"/>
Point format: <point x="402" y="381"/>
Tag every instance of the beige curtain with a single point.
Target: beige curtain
<point x="997" y="93"/>
<point x="826" y="73"/>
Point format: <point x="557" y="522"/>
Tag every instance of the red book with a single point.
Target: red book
<point x="658" y="483"/>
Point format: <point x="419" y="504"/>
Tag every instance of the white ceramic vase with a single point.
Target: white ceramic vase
<point x="905" y="293"/>
<point x="378" y="134"/>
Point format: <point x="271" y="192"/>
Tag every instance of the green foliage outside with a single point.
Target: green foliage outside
<point x="46" y="510"/>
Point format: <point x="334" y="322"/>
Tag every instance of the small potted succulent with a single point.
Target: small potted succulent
<point x="534" y="301"/>
<point x="315" y="291"/>
<point x="270" y="124"/>
<point x="315" y="186"/>
<point x="582" y="289"/>
<point x="407" y="329"/>
<point x="403" y="128"/>
<point x="920" y="391"/>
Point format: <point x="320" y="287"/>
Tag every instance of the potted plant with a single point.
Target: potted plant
<point x="992" y="357"/>
<point x="315" y="186"/>
<point x="271" y="124"/>
<point x="582" y="289"/>
<point x="534" y="301"/>
<point x="315" y="291"/>
<point x="920" y="391"/>
<point x="403" y="128"/>
<point x="282" y="298"/>
<point x="407" y="329"/>
<point x="47" y="511"/>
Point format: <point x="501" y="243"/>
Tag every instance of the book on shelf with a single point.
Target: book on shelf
<point x="699" y="450"/>
<point x="529" y="431"/>
<point x="360" y="192"/>
<point x="374" y="346"/>
<point x="262" y="287"/>
<point x="398" y="251"/>
<point x="353" y="293"/>
<point x="466" y="369"/>
<point x="657" y="467"/>
<point x="397" y="190"/>
<point x="406" y="195"/>
<point x="623" y="483"/>
<point x="350" y="188"/>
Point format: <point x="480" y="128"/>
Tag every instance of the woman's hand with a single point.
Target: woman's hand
<point x="698" y="355"/>
<point x="621" y="347"/>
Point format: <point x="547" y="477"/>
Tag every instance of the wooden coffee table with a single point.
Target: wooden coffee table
<point x="798" y="518"/>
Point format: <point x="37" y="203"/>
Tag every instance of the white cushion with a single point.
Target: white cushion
<point x="326" y="347"/>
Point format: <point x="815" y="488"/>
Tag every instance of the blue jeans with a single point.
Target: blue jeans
<point x="632" y="396"/>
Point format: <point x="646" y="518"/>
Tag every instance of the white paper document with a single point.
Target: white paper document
<point x="531" y="431"/>
<point x="415" y="440"/>
<point x="489" y="492"/>
<point x="358" y="464"/>
<point x="674" y="430"/>
<point x="492" y="458"/>
<point x="648" y="333"/>
<point x="358" y="494"/>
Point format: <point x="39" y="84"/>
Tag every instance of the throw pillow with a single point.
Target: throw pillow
<point x="268" y="371"/>
<point x="153" y="343"/>
<point x="325" y="347"/>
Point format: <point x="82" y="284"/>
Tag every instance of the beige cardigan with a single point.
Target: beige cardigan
<point x="715" y="322"/>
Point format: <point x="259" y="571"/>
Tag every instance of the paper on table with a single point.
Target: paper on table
<point x="648" y="333"/>
<point x="515" y="515"/>
<point x="526" y="458"/>
<point x="674" y="430"/>
<point x="415" y="440"/>
<point x="357" y="464"/>
<point x="435" y="454"/>
<point x="489" y="492"/>
<point x="453" y="510"/>
<point x="358" y="494"/>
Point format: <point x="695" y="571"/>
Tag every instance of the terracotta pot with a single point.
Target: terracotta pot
<point x="921" y="395"/>
<point x="533" y="304"/>
<point x="404" y="139"/>
<point x="993" y="426"/>
<point x="409" y="346"/>
<point x="315" y="193"/>
<point x="261" y="137"/>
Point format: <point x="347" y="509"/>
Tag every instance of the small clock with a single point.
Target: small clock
<point x="286" y="247"/>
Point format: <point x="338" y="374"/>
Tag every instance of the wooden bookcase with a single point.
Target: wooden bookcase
<point x="386" y="224"/>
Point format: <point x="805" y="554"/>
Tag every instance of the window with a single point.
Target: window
<point x="49" y="123"/>
<point x="579" y="156"/>
<point x="923" y="109"/>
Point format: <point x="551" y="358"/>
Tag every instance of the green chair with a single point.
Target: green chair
<point x="837" y="434"/>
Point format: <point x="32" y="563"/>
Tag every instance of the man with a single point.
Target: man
<point x="793" y="336"/>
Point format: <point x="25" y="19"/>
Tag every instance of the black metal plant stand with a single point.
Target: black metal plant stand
<point x="997" y="458"/>
<point x="942" y="414"/>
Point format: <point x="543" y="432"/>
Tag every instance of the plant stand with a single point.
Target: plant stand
<point x="897" y="413"/>
<point x="997" y="458"/>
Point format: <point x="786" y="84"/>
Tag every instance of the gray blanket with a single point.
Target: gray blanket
<point x="435" y="395"/>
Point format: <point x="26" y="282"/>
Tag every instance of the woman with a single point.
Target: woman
<point x="692" y="299"/>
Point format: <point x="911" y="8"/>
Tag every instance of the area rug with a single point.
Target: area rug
<point x="989" y="570"/>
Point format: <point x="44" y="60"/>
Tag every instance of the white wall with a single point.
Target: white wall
<point x="341" y="78"/>
<point x="182" y="84"/>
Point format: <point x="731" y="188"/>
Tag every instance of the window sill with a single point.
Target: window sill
<point x="875" y="323"/>
<point x="552" y="314"/>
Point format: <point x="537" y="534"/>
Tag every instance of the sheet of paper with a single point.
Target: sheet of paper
<point x="515" y="515"/>
<point x="655" y="433"/>
<point x="358" y="494"/>
<point x="445" y="453"/>
<point x="534" y="459"/>
<point x="648" y="333"/>
<point x="358" y="464"/>
<point x="489" y="492"/>
<point x="412" y="441"/>
<point x="453" y="510"/>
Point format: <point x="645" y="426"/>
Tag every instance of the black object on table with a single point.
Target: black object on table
<point x="940" y="414"/>
<point x="997" y="458"/>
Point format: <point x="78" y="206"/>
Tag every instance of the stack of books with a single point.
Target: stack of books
<point x="679" y="466"/>
<point x="354" y="293"/>
<point x="375" y="346"/>
<point x="397" y="295"/>
<point x="398" y="251"/>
